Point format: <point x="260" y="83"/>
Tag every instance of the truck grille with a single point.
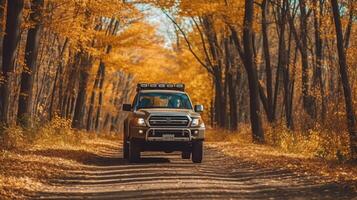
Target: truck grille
<point x="168" y="121"/>
<point x="176" y="133"/>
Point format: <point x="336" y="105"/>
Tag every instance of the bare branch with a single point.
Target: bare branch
<point x="188" y="42"/>
<point x="203" y="42"/>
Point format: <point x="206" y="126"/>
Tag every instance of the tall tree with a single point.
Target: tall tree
<point x="232" y="88"/>
<point x="268" y="70"/>
<point x="249" y="63"/>
<point x="307" y="100"/>
<point x="100" y="97"/>
<point x="28" y="73"/>
<point x="11" y="41"/>
<point x="92" y="100"/>
<point x="351" y="118"/>
<point x="85" y="66"/>
<point x="318" y="79"/>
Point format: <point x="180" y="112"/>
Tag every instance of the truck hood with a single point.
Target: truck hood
<point x="167" y="112"/>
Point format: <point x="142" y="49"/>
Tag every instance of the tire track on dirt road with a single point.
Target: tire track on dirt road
<point x="167" y="176"/>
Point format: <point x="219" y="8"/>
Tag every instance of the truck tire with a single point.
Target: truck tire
<point x="125" y="148"/>
<point x="134" y="151"/>
<point x="197" y="151"/>
<point x="186" y="155"/>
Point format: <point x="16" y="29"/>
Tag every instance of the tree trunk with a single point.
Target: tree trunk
<point x="2" y="31"/>
<point x="11" y="41"/>
<point x="57" y="77"/>
<point x="24" y="113"/>
<point x="256" y="124"/>
<point x="220" y="105"/>
<point x="350" y="23"/>
<point x="308" y="101"/>
<point x="79" y="108"/>
<point x="318" y="82"/>
<point x="289" y="85"/>
<point x="232" y="103"/>
<point x="92" y="100"/>
<point x="70" y="89"/>
<point x="232" y="92"/>
<point x="268" y="71"/>
<point x="351" y="119"/>
<point x="282" y="56"/>
<point x="100" y="98"/>
<point x="219" y="99"/>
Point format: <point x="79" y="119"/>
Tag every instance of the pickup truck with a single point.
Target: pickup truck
<point x="162" y="118"/>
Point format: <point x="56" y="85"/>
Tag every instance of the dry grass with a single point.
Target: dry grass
<point x="315" y="153"/>
<point x="29" y="160"/>
<point x="315" y="143"/>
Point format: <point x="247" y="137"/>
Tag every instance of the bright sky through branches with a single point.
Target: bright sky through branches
<point x="157" y="18"/>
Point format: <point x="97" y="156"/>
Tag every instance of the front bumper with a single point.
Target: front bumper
<point x="167" y="134"/>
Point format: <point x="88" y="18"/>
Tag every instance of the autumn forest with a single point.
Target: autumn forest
<point x="275" y="73"/>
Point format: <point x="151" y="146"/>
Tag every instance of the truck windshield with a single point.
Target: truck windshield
<point x="163" y="100"/>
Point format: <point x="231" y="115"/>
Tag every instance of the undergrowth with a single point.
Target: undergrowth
<point x="32" y="156"/>
<point x="56" y="133"/>
<point x="314" y="143"/>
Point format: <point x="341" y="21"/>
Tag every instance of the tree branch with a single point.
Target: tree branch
<point x="203" y="42"/>
<point x="188" y="42"/>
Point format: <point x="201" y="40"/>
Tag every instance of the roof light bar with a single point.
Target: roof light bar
<point x="161" y="86"/>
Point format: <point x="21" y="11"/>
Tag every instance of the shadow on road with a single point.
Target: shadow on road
<point x="167" y="176"/>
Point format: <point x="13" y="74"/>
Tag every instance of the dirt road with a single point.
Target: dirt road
<point x="167" y="176"/>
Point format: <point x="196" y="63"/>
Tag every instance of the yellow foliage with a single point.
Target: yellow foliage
<point x="56" y="149"/>
<point x="12" y="137"/>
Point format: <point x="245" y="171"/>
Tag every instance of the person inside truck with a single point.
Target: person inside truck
<point x="145" y="103"/>
<point x="174" y="103"/>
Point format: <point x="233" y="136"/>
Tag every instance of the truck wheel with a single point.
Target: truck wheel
<point x="125" y="148"/>
<point x="197" y="151"/>
<point x="134" y="151"/>
<point x="186" y="155"/>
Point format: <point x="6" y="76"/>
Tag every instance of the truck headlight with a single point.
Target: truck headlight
<point x="139" y="122"/>
<point x="197" y="122"/>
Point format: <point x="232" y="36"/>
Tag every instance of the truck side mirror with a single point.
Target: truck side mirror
<point x="126" y="107"/>
<point x="198" y="108"/>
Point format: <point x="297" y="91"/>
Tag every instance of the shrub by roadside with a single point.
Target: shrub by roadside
<point x="319" y="153"/>
<point x="31" y="157"/>
<point x="315" y="143"/>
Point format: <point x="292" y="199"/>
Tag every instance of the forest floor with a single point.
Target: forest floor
<point x="95" y="169"/>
